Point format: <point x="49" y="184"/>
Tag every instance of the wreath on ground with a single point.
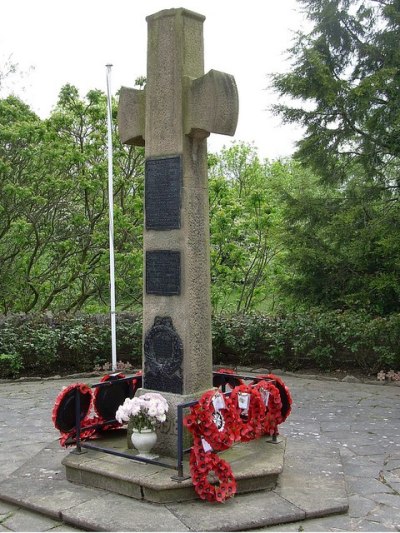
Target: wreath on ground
<point x="64" y="413"/>
<point x="272" y="406"/>
<point x="248" y="411"/>
<point x="286" y="398"/>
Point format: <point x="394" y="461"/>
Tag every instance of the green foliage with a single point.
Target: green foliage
<point x="46" y="344"/>
<point x="10" y="365"/>
<point x="54" y="209"/>
<point x="327" y="340"/>
<point x="244" y="219"/>
<point x="346" y="70"/>
<point x="341" y="235"/>
<point x="341" y="246"/>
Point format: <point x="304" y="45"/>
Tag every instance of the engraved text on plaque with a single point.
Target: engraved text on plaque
<point x="163" y="177"/>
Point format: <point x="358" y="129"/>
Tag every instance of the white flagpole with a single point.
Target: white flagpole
<point x="111" y="223"/>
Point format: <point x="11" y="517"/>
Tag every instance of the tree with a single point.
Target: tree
<point x="243" y="244"/>
<point x="346" y="70"/>
<point x="21" y="133"/>
<point x="343" y="226"/>
<point x="54" y="212"/>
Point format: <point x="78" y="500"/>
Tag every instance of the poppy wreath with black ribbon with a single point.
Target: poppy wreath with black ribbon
<point x="64" y="416"/>
<point x="211" y="423"/>
<point x="212" y="477"/>
<point x="273" y="406"/>
<point x="248" y="422"/>
<point x="107" y="400"/>
<point x="100" y="403"/>
<point x="286" y="397"/>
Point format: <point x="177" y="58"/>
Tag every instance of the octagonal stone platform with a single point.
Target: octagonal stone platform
<point x="256" y="466"/>
<point x="311" y="485"/>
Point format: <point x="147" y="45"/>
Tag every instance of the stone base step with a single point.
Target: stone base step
<point x="256" y="466"/>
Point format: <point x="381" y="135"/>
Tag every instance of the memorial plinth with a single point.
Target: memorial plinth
<point x="172" y="117"/>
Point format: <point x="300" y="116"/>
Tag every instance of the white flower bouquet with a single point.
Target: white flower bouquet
<point x="144" y="411"/>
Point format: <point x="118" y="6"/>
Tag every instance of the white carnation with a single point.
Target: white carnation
<point x="143" y="410"/>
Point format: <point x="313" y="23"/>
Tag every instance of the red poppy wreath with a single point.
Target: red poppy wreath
<point x="248" y="411"/>
<point x="286" y="398"/>
<point x="273" y="406"/>
<point x="64" y="416"/>
<point x="211" y="419"/>
<point x="212" y="477"/>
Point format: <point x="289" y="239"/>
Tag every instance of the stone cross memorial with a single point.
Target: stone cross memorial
<point x="172" y="117"/>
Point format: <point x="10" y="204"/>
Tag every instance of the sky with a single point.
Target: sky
<point x="56" y="42"/>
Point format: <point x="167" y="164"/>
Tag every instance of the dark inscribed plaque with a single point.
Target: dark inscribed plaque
<point x="163" y="272"/>
<point x="163" y="355"/>
<point x="163" y="179"/>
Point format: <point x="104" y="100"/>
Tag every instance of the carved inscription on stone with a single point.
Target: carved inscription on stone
<point x="163" y="272"/>
<point x="163" y="182"/>
<point x="163" y="352"/>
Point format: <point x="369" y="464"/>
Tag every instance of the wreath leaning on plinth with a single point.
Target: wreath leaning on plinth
<point x="248" y="411"/>
<point x="211" y="418"/>
<point x="217" y="421"/>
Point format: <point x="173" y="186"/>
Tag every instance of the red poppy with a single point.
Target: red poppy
<point x="285" y="397"/>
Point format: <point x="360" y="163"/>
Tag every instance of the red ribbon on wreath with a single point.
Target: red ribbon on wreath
<point x="69" y="439"/>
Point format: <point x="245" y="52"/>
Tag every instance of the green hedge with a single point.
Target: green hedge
<point x="326" y="340"/>
<point x="45" y="345"/>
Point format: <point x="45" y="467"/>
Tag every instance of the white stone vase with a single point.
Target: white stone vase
<point x="144" y="441"/>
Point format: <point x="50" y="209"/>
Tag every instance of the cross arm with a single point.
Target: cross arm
<point x="131" y="116"/>
<point x="212" y="105"/>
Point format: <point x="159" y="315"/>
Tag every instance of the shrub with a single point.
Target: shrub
<point x="44" y="344"/>
<point x="47" y="344"/>
<point x="10" y="365"/>
<point x="326" y="340"/>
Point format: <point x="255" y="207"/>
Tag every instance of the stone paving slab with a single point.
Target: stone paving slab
<point x="241" y="513"/>
<point x="330" y="523"/>
<point x="15" y="518"/>
<point x="25" y="520"/>
<point x="113" y="512"/>
<point x="48" y="497"/>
